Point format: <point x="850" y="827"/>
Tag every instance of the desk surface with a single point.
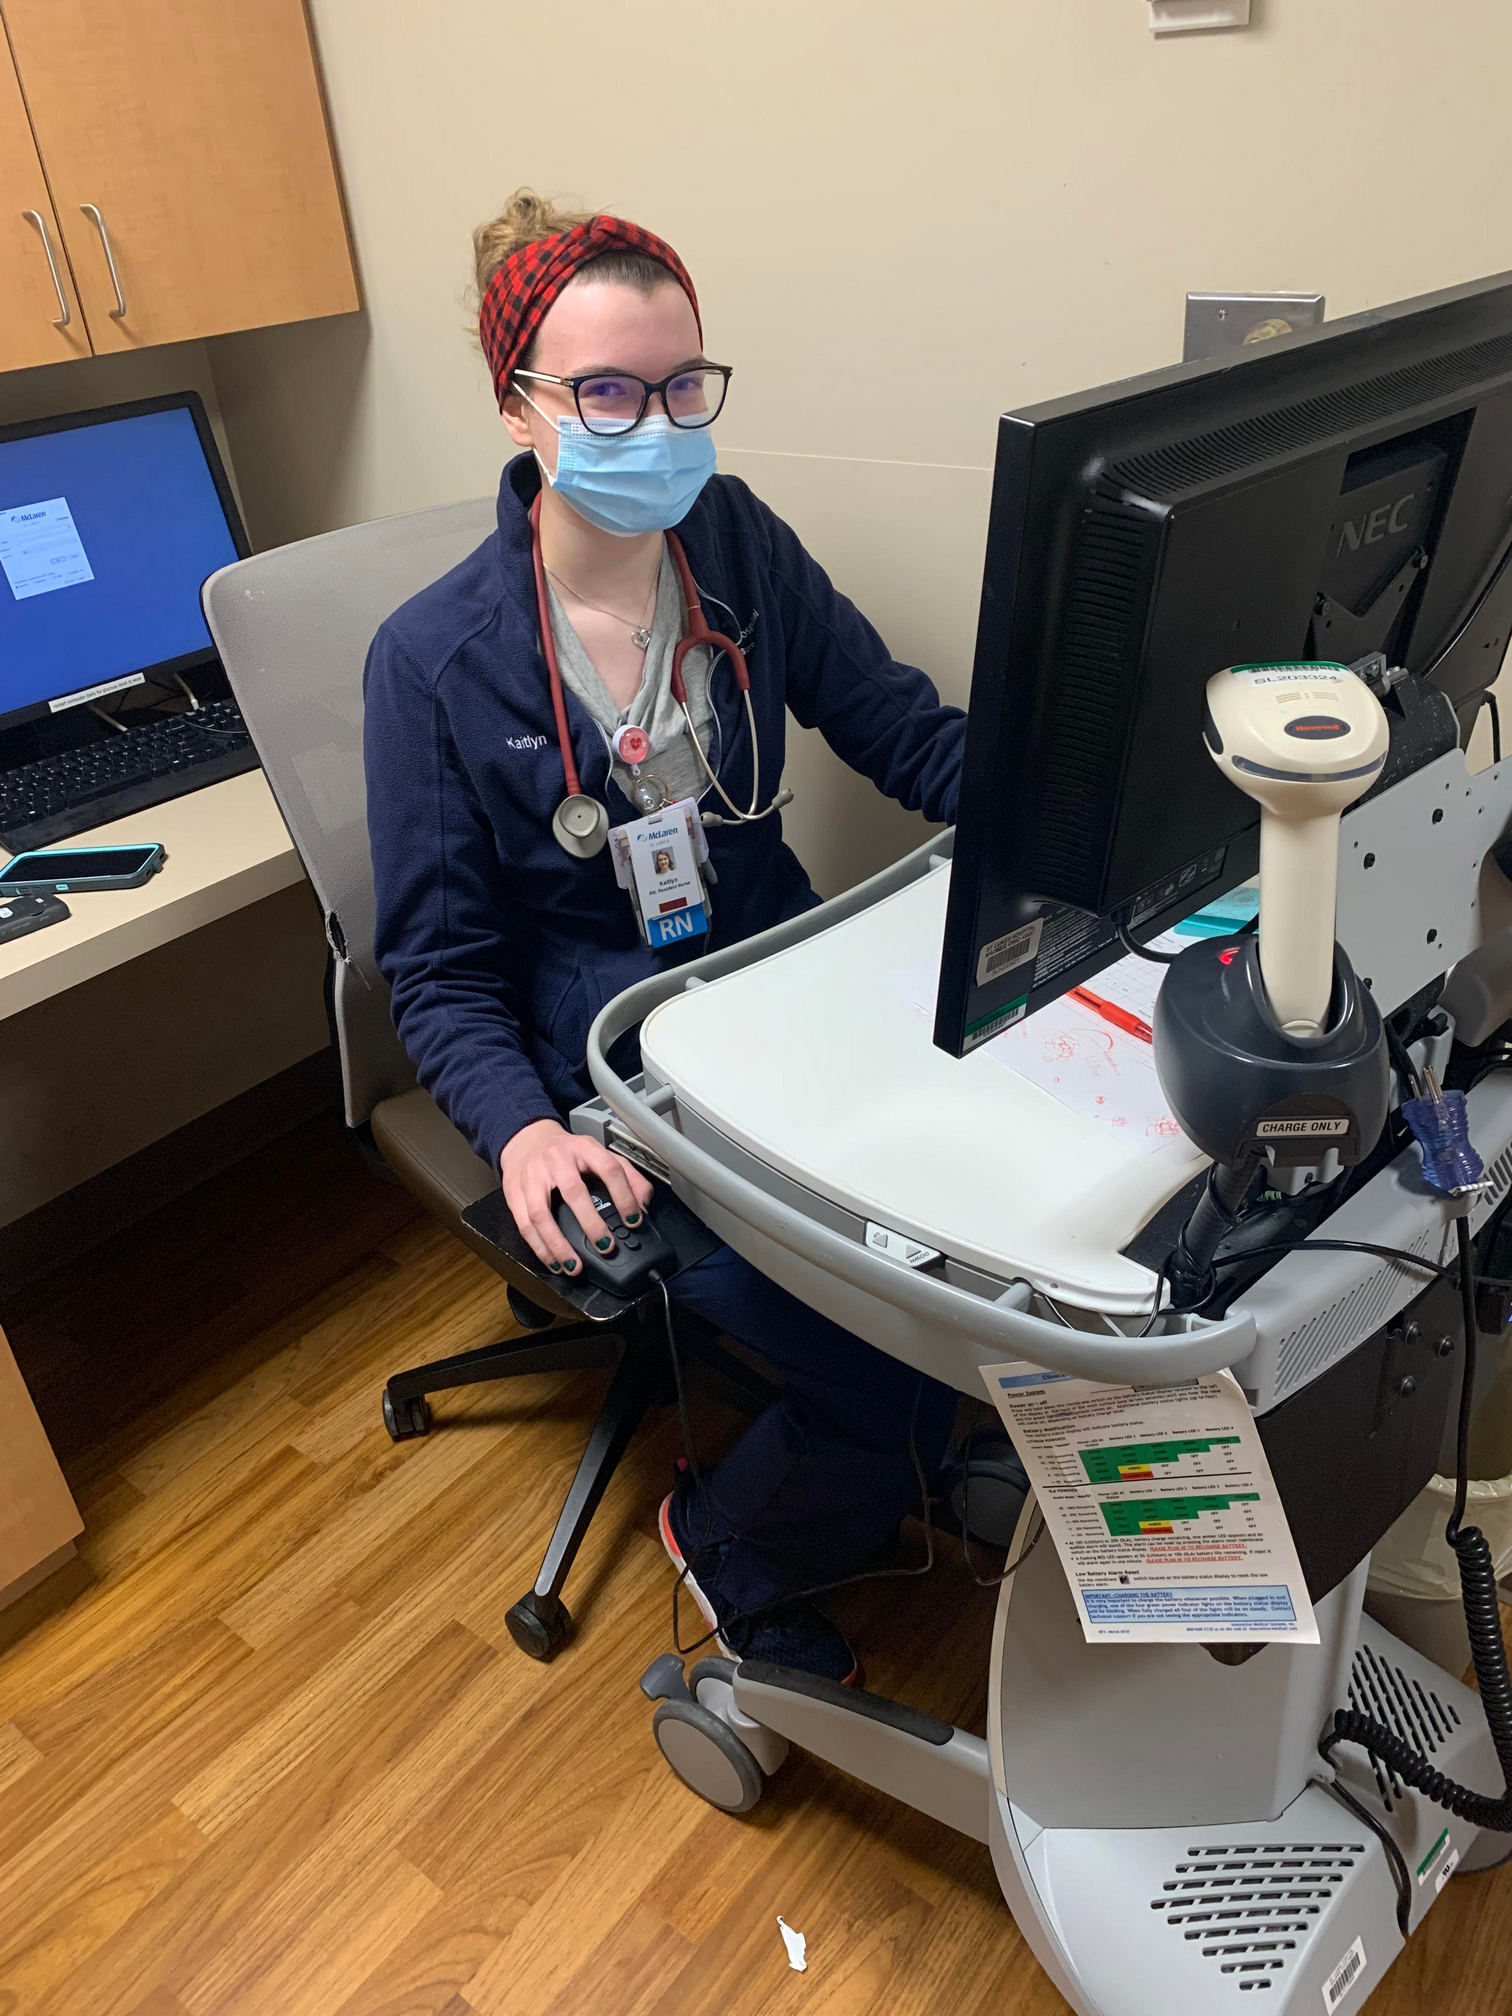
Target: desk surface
<point x="227" y="847"/>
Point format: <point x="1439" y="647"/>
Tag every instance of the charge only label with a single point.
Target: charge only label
<point x="1161" y="1506"/>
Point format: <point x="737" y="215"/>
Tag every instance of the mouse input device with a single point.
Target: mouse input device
<point x="639" y="1251"/>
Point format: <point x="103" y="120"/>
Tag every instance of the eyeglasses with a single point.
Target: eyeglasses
<point x="612" y="402"/>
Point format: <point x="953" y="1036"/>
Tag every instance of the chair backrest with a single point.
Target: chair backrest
<point x="293" y="628"/>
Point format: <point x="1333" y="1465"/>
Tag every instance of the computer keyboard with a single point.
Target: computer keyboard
<point x="81" y="788"/>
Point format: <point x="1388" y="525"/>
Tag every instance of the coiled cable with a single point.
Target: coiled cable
<point x="1483" y="1623"/>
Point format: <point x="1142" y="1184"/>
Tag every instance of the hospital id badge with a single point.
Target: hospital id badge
<point x="659" y="860"/>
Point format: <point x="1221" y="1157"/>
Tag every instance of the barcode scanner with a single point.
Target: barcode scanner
<point x="1304" y="741"/>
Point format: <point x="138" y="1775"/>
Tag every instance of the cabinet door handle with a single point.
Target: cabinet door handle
<point x="58" y="321"/>
<point x="91" y="211"/>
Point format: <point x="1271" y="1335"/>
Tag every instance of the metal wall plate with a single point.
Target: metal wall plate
<point x="1216" y="323"/>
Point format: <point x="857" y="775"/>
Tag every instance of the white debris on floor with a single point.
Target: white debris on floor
<point x="797" y="1946"/>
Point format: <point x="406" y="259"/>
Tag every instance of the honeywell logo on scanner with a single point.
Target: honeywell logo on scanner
<point x="1272" y="1130"/>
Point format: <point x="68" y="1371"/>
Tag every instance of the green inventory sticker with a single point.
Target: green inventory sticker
<point x="1430" y="1862"/>
<point x="1290" y="665"/>
<point x="992" y="1025"/>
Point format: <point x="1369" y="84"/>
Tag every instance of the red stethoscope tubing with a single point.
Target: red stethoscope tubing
<point x="698" y="634"/>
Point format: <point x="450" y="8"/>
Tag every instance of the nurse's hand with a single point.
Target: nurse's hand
<point x="544" y="1158"/>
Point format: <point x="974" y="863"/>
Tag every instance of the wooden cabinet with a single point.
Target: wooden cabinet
<point x="40" y="321"/>
<point x="185" y="147"/>
<point x="38" y="1521"/>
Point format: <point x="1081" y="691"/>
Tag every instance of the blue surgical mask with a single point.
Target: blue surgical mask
<point x="642" y="481"/>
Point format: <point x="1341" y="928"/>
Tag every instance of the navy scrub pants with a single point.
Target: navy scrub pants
<point x="819" y="1482"/>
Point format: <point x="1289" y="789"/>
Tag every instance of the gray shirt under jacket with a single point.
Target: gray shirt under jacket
<point x="653" y="708"/>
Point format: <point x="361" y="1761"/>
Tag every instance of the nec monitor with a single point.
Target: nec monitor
<point x="110" y="521"/>
<point x="1326" y="496"/>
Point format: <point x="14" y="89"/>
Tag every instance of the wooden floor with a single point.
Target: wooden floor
<point x="267" y="1748"/>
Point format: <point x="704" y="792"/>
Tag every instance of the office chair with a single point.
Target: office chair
<point x="293" y="628"/>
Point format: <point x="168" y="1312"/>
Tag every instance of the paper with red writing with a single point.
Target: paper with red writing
<point x="1102" y="1072"/>
<point x="1099" y="1069"/>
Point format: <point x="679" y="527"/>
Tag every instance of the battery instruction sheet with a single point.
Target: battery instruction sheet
<point x="1161" y="1506"/>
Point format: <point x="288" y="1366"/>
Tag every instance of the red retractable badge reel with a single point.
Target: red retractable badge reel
<point x="631" y="745"/>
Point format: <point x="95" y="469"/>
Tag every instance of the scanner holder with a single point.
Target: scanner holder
<point x="1250" y="1095"/>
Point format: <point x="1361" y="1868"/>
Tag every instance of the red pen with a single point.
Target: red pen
<point x="1119" y="1017"/>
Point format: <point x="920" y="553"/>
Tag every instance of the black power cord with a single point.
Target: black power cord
<point x="1482" y="1619"/>
<point x="1396" y="1861"/>
<point x="1130" y="943"/>
<point x="1280" y="1251"/>
<point x="1399" y="1253"/>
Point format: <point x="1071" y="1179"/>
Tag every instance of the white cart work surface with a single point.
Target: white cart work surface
<point x="794" y="1096"/>
<point x="795" y="1100"/>
<point x="1157" y="1817"/>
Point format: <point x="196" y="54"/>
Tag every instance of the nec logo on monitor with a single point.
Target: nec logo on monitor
<point x="1383" y="521"/>
<point x="1384" y="517"/>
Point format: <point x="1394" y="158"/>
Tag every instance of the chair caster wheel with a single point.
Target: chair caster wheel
<point x="539" y="1625"/>
<point x="526" y="1313"/>
<point x="409" y="1418"/>
<point x="707" y="1755"/>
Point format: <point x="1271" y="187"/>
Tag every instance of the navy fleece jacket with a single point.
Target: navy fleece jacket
<point x="501" y="948"/>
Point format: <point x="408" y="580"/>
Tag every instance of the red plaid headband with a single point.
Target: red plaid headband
<point x="520" y="292"/>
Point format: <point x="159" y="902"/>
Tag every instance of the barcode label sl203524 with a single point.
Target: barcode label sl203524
<point x="1003" y="954"/>
<point x="1344" y="1976"/>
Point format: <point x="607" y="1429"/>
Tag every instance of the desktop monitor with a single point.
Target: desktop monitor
<point x="1328" y="496"/>
<point x="110" y="521"/>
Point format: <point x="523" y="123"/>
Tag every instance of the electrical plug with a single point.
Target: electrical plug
<point x="1440" y="1123"/>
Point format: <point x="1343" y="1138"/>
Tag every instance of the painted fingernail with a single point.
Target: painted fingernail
<point x="604" y="1244"/>
<point x="556" y="1266"/>
<point x="569" y="1266"/>
<point x="634" y="1218"/>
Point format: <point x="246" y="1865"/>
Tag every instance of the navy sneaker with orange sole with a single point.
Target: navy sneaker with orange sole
<point x="795" y="1635"/>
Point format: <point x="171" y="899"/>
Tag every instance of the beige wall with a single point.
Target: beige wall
<point x="901" y="221"/>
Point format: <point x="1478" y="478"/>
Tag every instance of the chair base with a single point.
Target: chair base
<point x="644" y="1377"/>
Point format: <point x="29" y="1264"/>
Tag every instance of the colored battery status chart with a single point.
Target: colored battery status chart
<point x="1169" y="1515"/>
<point x="1198" y="1456"/>
<point x="1161" y="1506"/>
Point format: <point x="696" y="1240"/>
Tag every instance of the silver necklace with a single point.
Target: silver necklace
<point x="640" y="636"/>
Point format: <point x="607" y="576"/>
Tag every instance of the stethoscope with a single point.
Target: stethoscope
<point x="581" y="823"/>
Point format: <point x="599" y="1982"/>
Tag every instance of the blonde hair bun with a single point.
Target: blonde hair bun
<point x="525" y="219"/>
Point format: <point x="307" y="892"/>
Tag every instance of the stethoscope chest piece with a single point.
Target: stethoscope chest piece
<point x="581" y="824"/>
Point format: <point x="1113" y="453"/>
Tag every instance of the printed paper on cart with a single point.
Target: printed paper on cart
<point x="1161" y="1506"/>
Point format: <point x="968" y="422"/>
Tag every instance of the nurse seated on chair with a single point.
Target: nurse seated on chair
<point x="620" y="657"/>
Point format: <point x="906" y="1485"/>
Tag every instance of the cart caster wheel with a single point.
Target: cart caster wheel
<point x="410" y="1417"/>
<point x="539" y="1625"/>
<point x="715" y="1667"/>
<point x="526" y="1313"/>
<point x="707" y="1755"/>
